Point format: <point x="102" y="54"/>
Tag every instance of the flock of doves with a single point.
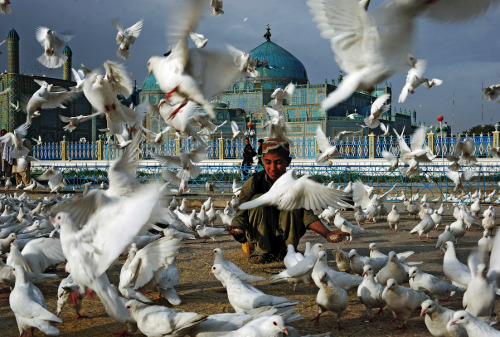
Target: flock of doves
<point x="91" y="232"/>
<point x="147" y="224"/>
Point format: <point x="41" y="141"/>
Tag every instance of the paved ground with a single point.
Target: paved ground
<point x="198" y="289"/>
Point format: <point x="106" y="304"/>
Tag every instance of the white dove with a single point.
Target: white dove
<point x="157" y="320"/>
<point x="5" y="8"/>
<point x="282" y="94"/>
<point x="55" y="178"/>
<point x="291" y="192"/>
<point x="459" y="178"/>
<point x="90" y="251"/>
<point x="456" y="271"/>
<point x="28" y="304"/>
<point x="126" y="37"/>
<point x="385" y="129"/>
<point x="157" y="137"/>
<point x="492" y="92"/>
<point x="101" y="92"/>
<point x="467" y="149"/>
<point x="235" y="129"/>
<point x="377" y="109"/>
<point x="209" y="232"/>
<point x="74" y="121"/>
<point x="413" y="79"/>
<point x="431" y="285"/>
<point x="216" y="7"/>
<point x="191" y="74"/>
<point x="234" y="269"/>
<point x="474" y="326"/>
<point x="276" y="126"/>
<point x="198" y="39"/>
<point x="51" y="42"/>
<point x="327" y="151"/>
<point x="186" y="160"/>
<point x="370" y="292"/>
<point x="243" y="296"/>
<point x="47" y="97"/>
<point x="15" y="141"/>
<point x="292" y="257"/>
<point x="437" y="318"/>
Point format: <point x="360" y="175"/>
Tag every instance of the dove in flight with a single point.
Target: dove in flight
<point x="47" y="97"/>
<point x="377" y="109"/>
<point x="282" y="94"/>
<point x="290" y="192"/>
<point x="51" y="42"/>
<point x="327" y="151"/>
<point x="216" y="7"/>
<point x="125" y="38"/>
<point x="74" y="121"/>
<point x="198" y="39"/>
<point x="4" y="7"/>
<point x="186" y="160"/>
<point x="492" y="92"/>
<point x="15" y="141"/>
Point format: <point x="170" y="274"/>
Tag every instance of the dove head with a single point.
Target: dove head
<point x="275" y="324"/>
<point x="218" y="252"/>
<point x="486" y="233"/>
<point x="61" y="219"/>
<point x="391" y="284"/>
<point x="428" y="307"/>
<point x="98" y="80"/>
<point x="12" y="236"/>
<point x="412" y="272"/>
<point x="133" y="305"/>
<point x="373" y="246"/>
<point x="20" y="274"/>
<point x="481" y="270"/>
<point x="152" y="63"/>
<point x="317" y="248"/>
<point x="449" y="246"/>
<point x="393" y="256"/>
<point x="352" y="254"/>
<point x="321" y="256"/>
<point x="367" y="270"/>
<point x="460" y="317"/>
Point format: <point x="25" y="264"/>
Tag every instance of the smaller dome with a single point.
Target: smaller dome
<point x="67" y="51"/>
<point x="12" y="34"/>
<point x="150" y="84"/>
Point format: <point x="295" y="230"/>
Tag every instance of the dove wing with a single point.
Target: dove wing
<point x="417" y="141"/>
<point x="42" y="253"/>
<point x="308" y="194"/>
<point x="234" y="127"/>
<point x="134" y="30"/>
<point x="147" y="131"/>
<point x="171" y="177"/>
<point x="55" y="99"/>
<point x="454" y="11"/>
<point x="404" y="93"/>
<point x="117" y="76"/>
<point x="112" y="228"/>
<point x="9" y="139"/>
<point x="41" y="33"/>
<point x="391" y="158"/>
<point x="198" y="154"/>
<point x="468" y="147"/>
<point x="360" y="194"/>
<point x="379" y="103"/>
<point x="47" y="174"/>
<point x="274" y="194"/>
<point x="170" y="161"/>
<point x="155" y="255"/>
<point x="454" y="176"/>
<point x="321" y="139"/>
<point x="272" y="113"/>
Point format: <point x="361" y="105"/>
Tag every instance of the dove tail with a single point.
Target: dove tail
<point x="124" y="54"/>
<point x="109" y="298"/>
<point x="171" y="296"/>
<point x="52" y="61"/>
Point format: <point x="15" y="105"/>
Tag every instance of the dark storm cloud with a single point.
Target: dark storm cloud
<point x="464" y="55"/>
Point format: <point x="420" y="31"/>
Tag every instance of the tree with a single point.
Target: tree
<point x="478" y="129"/>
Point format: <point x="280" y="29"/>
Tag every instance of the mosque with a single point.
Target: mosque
<point x="246" y="99"/>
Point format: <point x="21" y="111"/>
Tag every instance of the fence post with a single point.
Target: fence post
<point x="371" y="146"/>
<point x="496" y="140"/>
<point x="430" y="141"/>
<point x="64" y="150"/>
<point x="177" y="146"/>
<point x="99" y="150"/>
<point x="316" y="149"/>
<point x="221" y="148"/>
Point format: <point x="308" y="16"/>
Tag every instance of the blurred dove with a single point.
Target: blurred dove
<point x="15" y="141"/>
<point x="74" y="121"/>
<point x="5" y="8"/>
<point x="216" y="7"/>
<point x="492" y="92"/>
<point x="198" y="39"/>
<point x="377" y="109"/>
<point x="282" y="94"/>
<point x="186" y="160"/>
<point x="276" y="127"/>
<point x="327" y="151"/>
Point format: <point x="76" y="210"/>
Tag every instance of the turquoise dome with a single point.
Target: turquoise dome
<point x="274" y="61"/>
<point x="150" y="84"/>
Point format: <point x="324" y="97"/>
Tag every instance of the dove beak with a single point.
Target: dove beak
<point x="364" y="273"/>
<point x="149" y="72"/>
<point x="423" y="312"/>
<point x="285" y="331"/>
<point x="453" y="323"/>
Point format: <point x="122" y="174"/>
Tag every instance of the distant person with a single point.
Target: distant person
<point x="260" y="164"/>
<point x="5" y="151"/>
<point x="248" y="154"/>
<point x="23" y="173"/>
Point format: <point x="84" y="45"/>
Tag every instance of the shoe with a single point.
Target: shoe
<point x="259" y="259"/>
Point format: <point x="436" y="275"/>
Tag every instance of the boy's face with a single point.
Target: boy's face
<point x="275" y="165"/>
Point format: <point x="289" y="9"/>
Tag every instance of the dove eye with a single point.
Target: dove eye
<point x="128" y="306"/>
<point x="275" y="323"/>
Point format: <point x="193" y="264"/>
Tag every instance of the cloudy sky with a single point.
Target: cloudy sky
<point x="465" y="56"/>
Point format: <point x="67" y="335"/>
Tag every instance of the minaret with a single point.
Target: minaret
<point x="13" y="51"/>
<point x="67" y="65"/>
<point x="267" y="35"/>
<point x="8" y="121"/>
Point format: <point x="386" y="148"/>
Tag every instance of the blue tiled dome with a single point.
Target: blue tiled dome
<point x="150" y="84"/>
<point x="274" y="61"/>
<point x="12" y="34"/>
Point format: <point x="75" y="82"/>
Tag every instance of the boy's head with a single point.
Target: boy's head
<point x="260" y="142"/>
<point x="276" y="157"/>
